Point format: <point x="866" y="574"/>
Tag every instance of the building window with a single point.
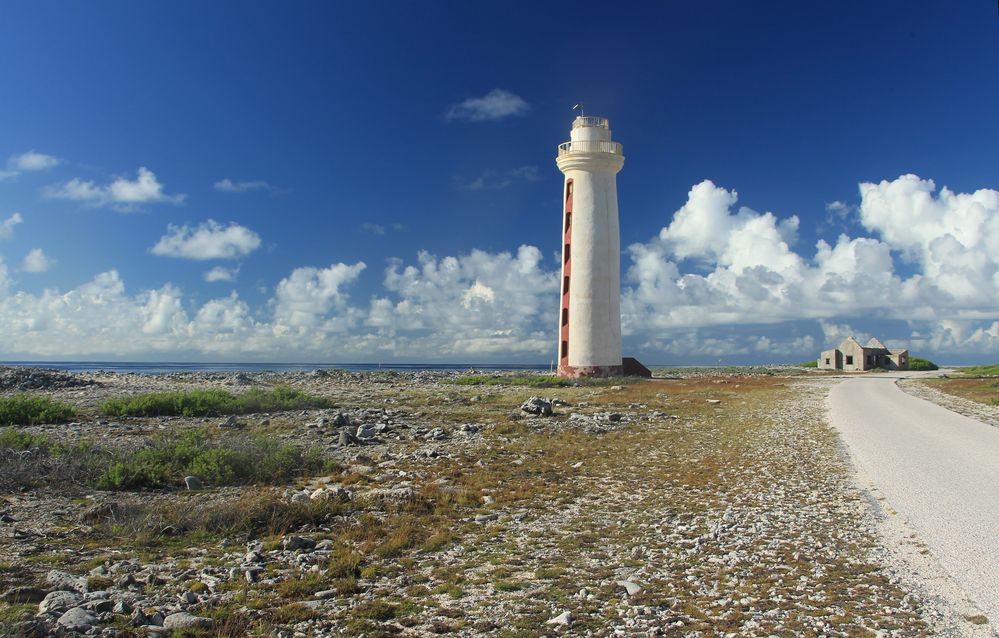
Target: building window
<point x="565" y="286"/>
<point x="565" y="349"/>
<point x="568" y="221"/>
<point x="565" y="252"/>
<point x="849" y="360"/>
<point x="568" y="190"/>
<point x="827" y="361"/>
<point x="565" y="316"/>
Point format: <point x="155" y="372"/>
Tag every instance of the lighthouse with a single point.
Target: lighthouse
<point x="589" y="343"/>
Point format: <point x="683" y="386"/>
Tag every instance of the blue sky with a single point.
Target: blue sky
<point x="376" y="181"/>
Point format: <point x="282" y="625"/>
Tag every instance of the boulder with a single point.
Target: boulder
<point x="193" y="483"/>
<point x="59" y="601"/>
<point x="77" y="619"/>
<point x="537" y="406"/>
<point x="184" y="620"/>
<point x="16" y="595"/>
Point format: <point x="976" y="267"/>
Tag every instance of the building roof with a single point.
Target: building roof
<point x="874" y="343"/>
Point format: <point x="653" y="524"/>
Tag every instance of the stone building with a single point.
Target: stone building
<point x="851" y="356"/>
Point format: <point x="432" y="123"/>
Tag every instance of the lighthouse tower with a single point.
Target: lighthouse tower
<point x="589" y="342"/>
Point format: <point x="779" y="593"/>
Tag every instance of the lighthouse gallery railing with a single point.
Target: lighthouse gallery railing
<point x="590" y="146"/>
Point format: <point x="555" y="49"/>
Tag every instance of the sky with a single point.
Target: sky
<point x="375" y="182"/>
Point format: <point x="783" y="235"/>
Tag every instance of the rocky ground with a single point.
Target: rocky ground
<point x="698" y="505"/>
<point x="974" y="409"/>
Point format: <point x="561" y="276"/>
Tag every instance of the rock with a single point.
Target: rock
<point x="437" y="434"/>
<point x="122" y="608"/>
<point x="365" y="431"/>
<point x="393" y="494"/>
<point x="77" y="619"/>
<point x="16" y="595"/>
<point x="330" y="493"/>
<point x="714" y="401"/>
<point x="294" y="543"/>
<point x="631" y="587"/>
<point x="565" y="618"/>
<point x="58" y="580"/>
<point x="184" y="620"/>
<point x="346" y="439"/>
<point x="341" y="419"/>
<point x="614" y="417"/>
<point x="537" y="406"/>
<point x="193" y="483"/>
<point x="232" y="423"/>
<point x="59" y="601"/>
<point x="189" y="597"/>
<point x="99" y="605"/>
<point x="126" y="581"/>
<point x="485" y="518"/>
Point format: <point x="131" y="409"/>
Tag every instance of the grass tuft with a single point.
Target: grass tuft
<point x="917" y="364"/>
<point x="212" y="403"/>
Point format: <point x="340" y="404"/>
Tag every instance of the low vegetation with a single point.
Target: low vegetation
<point x="534" y="380"/>
<point x="233" y="461"/>
<point x="811" y="363"/>
<point x="915" y="363"/>
<point x="24" y="409"/>
<point x="35" y="460"/>
<point x="981" y="371"/>
<point x="212" y="403"/>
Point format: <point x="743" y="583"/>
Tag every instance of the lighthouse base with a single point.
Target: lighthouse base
<point x="577" y="372"/>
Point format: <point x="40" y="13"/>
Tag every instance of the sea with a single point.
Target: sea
<point x="158" y="367"/>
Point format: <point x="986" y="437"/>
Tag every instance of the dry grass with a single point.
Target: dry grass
<point x="982" y="390"/>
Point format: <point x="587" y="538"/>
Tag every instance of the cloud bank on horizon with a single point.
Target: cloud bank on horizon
<point x="931" y="261"/>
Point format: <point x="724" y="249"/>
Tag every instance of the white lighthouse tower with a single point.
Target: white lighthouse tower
<point x="589" y="342"/>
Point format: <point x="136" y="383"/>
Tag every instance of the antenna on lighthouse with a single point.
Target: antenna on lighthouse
<point x="580" y="107"/>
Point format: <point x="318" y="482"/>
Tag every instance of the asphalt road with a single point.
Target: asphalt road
<point x="937" y="469"/>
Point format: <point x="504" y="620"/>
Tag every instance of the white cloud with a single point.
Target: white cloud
<point x="374" y="229"/>
<point x="219" y="273"/>
<point x="7" y="225"/>
<point x="719" y="281"/>
<point x="494" y="180"/>
<point x="228" y="186"/>
<point x="209" y="240"/>
<point x="122" y="193"/>
<point x="31" y="161"/>
<point x="36" y="261"/>
<point x="495" y="105"/>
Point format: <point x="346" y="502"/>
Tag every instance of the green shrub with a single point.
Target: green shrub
<point x="24" y="409"/>
<point x="11" y="439"/>
<point x="915" y="363"/>
<point x="811" y="363"/>
<point x="235" y="461"/>
<point x="212" y="403"/>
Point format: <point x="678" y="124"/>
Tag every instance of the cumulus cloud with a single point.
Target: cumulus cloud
<point x="719" y="280"/>
<point x="228" y="186"/>
<point x="27" y="162"/>
<point x="36" y="261"/>
<point x="7" y="225"/>
<point x="219" y="273"/>
<point x="209" y="240"/>
<point x="495" y="105"/>
<point x="122" y="193"/>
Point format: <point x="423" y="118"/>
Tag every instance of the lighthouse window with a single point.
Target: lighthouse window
<point x="565" y="286"/>
<point x="568" y="190"/>
<point x="565" y="316"/>
<point x="566" y="253"/>
<point x="568" y="221"/>
<point x="565" y="349"/>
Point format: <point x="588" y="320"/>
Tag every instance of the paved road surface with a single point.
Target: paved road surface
<point x="937" y="469"/>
